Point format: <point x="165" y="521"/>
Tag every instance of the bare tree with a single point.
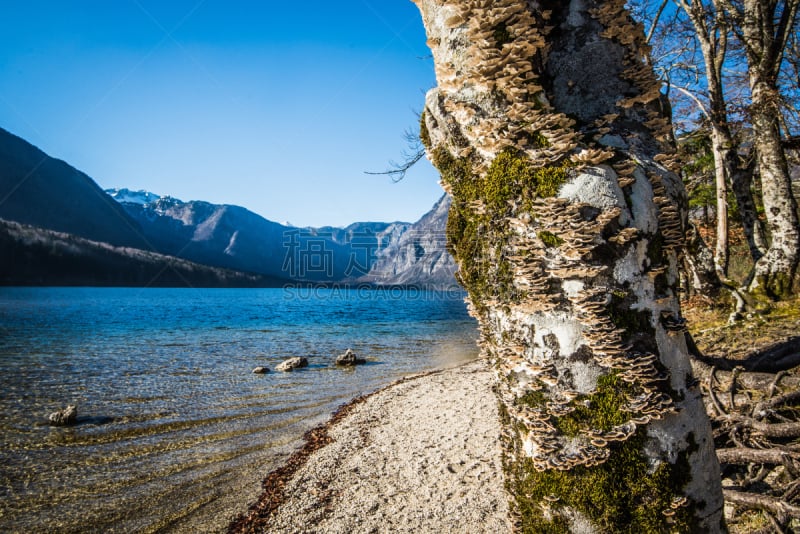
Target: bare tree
<point x="712" y="33"/>
<point x="764" y="28"/>
<point x="708" y="31"/>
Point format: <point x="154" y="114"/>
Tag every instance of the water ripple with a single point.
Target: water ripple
<point x="174" y="430"/>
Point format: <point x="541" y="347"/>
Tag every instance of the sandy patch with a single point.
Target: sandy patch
<point x="422" y="455"/>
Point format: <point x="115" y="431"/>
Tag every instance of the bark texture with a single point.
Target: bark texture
<point x="754" y="232"/>
<point x="567" y="224"/>
<point x="764" y="28"/>
<point x="774" y="273"/>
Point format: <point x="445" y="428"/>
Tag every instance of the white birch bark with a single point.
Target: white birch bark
<point x="567" y="223"/>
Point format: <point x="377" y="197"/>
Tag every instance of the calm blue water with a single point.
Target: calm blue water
<point x="175" y="431"/>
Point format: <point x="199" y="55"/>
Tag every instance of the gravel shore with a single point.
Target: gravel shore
<point x="422" y="455"/>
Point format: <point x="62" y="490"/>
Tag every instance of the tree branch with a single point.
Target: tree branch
<point x="770" y="430"/>
<point x="744" y="456"/>
<point x="656" y="19"/>
<point x="399" y="170"/>
<point x="414" y="152"/>
<point x="781" y="38"/>
<point x="694" y="97"/>
<point x="760" y="502"/>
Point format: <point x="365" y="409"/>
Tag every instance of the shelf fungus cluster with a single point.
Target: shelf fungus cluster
<point x="567" y="230"/>
<point x="504" y="41"/>
<point x="584" y="298"/>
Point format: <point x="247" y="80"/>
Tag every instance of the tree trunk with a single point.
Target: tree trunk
<point x="741" y="181"/>
<point x="713" y="39"/>
<point x="700" y="267"/>
<point x="567" y="226"/>
<point x="711" y="30"/>
<point x="774" y="273"/>
<point x="742" y="185"/>
<point x="764" y="28"/>
<point x="721" y="171"/>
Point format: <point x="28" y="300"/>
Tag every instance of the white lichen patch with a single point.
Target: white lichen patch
<point x="629" y="268"/>
<point x="584" y="376"/>
<point x="578" y="522"/>
<point x="595" y="186"/>
<point x="567" y="330"/>
<point x="572" y="288"/>
<point x="645" y="217"/>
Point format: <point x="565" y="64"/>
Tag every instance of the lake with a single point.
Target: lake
<point x="175" y="432"/>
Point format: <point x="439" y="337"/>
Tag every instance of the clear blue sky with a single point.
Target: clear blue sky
<point x="278" y="106"/>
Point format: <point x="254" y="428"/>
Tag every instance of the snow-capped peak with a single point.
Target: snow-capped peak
<point x="133" y="197"/>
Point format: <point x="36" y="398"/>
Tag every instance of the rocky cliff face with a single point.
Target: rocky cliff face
<point x="419" y="257"/>
<point x="567" y="224"/>
<point x="224" y="236"/>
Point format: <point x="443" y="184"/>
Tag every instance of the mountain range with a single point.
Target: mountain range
<point x="64" y="221"/>
<point x="236" y="238"/>
<point x="36" y="256"/>
<point x="419" y="255"/>
<point x="41" y="191"/>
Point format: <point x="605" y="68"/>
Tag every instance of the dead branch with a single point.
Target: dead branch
<point x="755" y="501"/>
<point x="776" y="402"/>
<point x="757" y="381"/>
<point x="754" y="405"/>
<point x="744" y="456"/>
<point x="779" y="356"/>
<point x="769" y="430"/>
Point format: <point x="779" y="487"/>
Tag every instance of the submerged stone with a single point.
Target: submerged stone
<point x="65" y="417"/>
<point x="292" y="363"/>
<point x="349" y="358"/>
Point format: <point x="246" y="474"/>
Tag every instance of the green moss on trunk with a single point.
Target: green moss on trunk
<point x="550" y="239"/>
<point x="601" y="410"/>
<point x="628" y="493"/>
<point x="778" y="286"/>
<point x="424" y="134"/>
<point x="625" y="494"/>
<point x="484" y="271"/>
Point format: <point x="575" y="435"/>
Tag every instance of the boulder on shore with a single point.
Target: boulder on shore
<point x="349" y="358"/>
<point x="261" y="370"/>
<point x="292" y="363"/>
<point x="67" y="416"/>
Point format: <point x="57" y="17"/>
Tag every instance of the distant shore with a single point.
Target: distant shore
<point x="420" y="455"/>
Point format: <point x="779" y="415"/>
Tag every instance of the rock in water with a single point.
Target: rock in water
<point x="67" y="416"/>
<point x="261" y="370"/>
<point x="349" y="358"/>
<point x="292" y="363"/>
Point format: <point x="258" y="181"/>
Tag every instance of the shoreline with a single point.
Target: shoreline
<point x="365" y="464"/>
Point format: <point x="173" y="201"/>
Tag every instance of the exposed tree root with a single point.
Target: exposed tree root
<point x="754" y="404"/>
<point x="762" y="502"/>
